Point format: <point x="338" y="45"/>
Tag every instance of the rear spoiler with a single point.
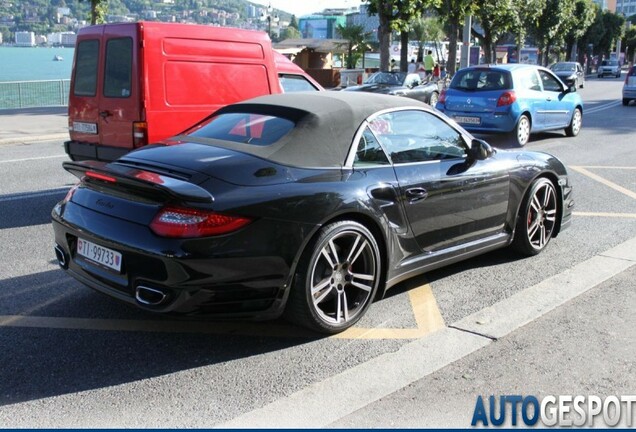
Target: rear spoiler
<point x="112" y="173"/>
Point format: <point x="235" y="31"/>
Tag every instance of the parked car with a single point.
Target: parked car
<point x="609" y="67"/>
<point x="135" y="83"/>
<point x="309" y="205"/>
<point x="400" y="84"/>
<point x="514" y="98"/>
<point x="629" y="87"/>
<point x="571" y="73"/>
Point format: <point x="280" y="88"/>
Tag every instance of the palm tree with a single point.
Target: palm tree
<point x="356" y="42"/>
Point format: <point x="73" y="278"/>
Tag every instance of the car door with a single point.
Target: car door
<point x="448" y="199"/>
<point x="556" y="111"/>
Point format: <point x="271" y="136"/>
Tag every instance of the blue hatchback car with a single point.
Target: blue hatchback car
<point x="516" y="98"/>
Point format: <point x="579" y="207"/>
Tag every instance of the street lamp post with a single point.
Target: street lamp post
<point x="269" y="18"/>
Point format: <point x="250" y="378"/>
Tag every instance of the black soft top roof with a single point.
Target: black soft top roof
<point x="325" y="124"/>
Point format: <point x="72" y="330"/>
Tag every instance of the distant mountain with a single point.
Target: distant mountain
<point x="46" y="16"/>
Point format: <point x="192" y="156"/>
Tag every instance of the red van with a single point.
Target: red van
<point x="137" y="83"/>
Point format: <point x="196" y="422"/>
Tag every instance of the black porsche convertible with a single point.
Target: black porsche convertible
<point x="309" y="205"/>
<point x="399" y="84"/>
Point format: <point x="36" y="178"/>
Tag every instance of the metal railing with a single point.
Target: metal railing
<point x="33" y="94"/>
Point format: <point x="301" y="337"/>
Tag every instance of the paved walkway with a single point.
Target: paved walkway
<point x="33" y="124"/>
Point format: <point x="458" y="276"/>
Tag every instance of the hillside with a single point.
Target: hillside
<point x="46" y="16"/>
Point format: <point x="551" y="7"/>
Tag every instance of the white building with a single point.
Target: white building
<point x="626" y="7"/>
<point x="25" y="39"/>
<point x="69" y="39"/>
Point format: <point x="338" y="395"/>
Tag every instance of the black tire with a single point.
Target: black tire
<point x="521" y="132"/>
<point x="537" y="218"/>
<point x="625" y="102"/>
<point x="576" y="122"/>
<point x="600" y="76"/>
<point x="337" y="278"/>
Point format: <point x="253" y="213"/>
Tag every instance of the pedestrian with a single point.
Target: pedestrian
<point x="429" y="64"/>
<point x="394" y="66"/>
<point x="412" y="66"/>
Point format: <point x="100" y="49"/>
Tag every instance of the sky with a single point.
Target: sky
<point x="306" y="7"/>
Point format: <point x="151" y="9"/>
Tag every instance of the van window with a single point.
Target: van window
<point x="246" y="128"/>
<point x="118" y="69"/>
<point x="86" y="68"/>
<point x="295" y="83"/>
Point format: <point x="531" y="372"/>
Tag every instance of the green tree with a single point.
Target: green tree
<point x="613" y="25"/>
<point x="293" y="22"/>
<point x="356" y="42"/>
<point x="527" y="13"/>
<point x="555" y="21"/>
<point x="98" y="11"/>
<point x="427" y="29"/>
<point x="495" y="18"/>
<point x="629" y="42"/>
<point x="585" y="12"/>
<point x="290" y="33"/>
<point x="453" y="12"/>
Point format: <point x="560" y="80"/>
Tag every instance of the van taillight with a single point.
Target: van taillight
<point x="506" y="98"/>
<point x="140" y="134"/>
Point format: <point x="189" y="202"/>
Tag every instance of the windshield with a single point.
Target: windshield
<point x="393" y="78"/>
<point x="563" y="67"/>
<point x="609" y="63"/>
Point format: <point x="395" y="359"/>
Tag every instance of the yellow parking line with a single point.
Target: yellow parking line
<point x="425" y="310"/>
<point x="601" y="180"/>
<point x="611" y="215"/>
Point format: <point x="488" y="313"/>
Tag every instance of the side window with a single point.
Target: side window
<point x="549" y="82"/>
<point x="86" y="68"/>
<point x="295" y="83"/>
<point x="369" y="151"/>
<point x="530" y="80"/>
<point x="118" y="68"/>
<point x="417" y="136"/>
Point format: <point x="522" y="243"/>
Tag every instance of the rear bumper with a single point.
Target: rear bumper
<point x="208" y="277"/>
<point x="629" y="93"/>
<point x="491" y="122"/>
<point x="78" y="151"/>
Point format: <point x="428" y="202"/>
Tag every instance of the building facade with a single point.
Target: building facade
<point x="25" y="39"/>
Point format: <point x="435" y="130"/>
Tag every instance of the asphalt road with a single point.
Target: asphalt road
<point x="73" y="358"/>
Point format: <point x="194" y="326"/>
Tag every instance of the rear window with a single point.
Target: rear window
<point x="481" y="79"/>
<point x="246" y="128"/>
<point x="86" y="60"/>
<point x="118" y="68"/>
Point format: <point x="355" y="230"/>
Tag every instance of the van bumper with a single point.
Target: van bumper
<point x="79" y="151"/>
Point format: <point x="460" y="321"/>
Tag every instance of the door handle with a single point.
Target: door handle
<point x="549" y="99"/>
<point x="104" y="114"/>
<point x="416" y="194"/>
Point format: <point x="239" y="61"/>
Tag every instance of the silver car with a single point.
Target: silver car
<point x="629" y="88"/>
<point x="609" y="67"/>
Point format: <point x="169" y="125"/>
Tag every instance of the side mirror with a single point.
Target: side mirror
<point x="480" y="150"/>
<point x="570" y="89"/>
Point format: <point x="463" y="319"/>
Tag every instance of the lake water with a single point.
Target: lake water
<point x="32" y="64"/>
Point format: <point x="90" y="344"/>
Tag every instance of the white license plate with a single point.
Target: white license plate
<point x="468" y="120"/>
<point x="89" y="128"/>
<point x="99" y="254"/>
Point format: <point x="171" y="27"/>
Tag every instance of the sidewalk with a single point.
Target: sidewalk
<point x="33" y="124"/>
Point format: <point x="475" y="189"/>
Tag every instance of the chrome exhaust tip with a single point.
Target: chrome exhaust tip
<point x="149" y="296"/>
<point x="61" y="257"/>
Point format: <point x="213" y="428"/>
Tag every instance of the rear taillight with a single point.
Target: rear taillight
<point x="140" y="134"/>
<point x="178" y="222"/>
<point x="442" y="97"/>
<point x="506" y="98"/>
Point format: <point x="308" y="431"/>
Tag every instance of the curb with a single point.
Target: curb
<point x="29" y="139"/>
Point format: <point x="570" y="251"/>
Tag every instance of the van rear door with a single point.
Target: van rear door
<point x="105" y="96"/>
<point x="120" y="104"/>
